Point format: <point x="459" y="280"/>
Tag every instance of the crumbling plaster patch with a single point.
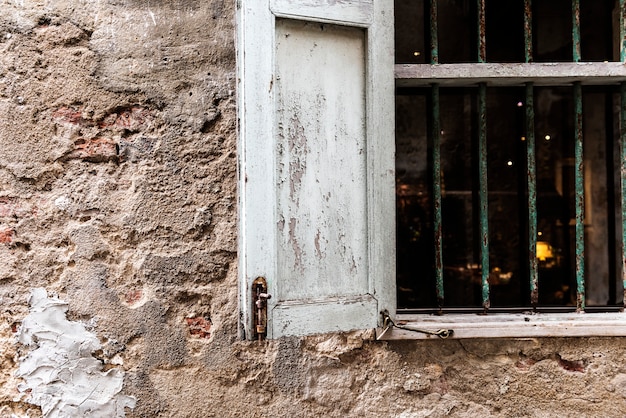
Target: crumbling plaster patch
<point x="60" y="372"/>
<point x="117" y="180"/>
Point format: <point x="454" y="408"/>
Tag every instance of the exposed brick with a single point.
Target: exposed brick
<point x="6" y="235"/>
<point x="199" y="327"/>
<point x="95" y="149"/>
<point x="572" y="366"/>
<point x="525" y="363"/>
<point x="133" y="296"/>
<point x="69" y="116"/>
<point x="134" y="118"/>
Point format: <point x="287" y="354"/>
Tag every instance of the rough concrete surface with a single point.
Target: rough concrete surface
<point x="118" y="195"/>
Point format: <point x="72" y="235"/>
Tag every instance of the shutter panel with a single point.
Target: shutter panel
<point x="316" y="162"/>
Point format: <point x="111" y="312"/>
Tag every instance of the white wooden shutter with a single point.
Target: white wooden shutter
<point x="316" y="154"/>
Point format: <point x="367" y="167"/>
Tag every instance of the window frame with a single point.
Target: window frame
<point x="500" y="325"/>
<point x="533" y="323"/>
<point x="509" y="325"/>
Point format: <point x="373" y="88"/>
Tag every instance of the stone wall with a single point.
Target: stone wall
<point x="118" y="198"/>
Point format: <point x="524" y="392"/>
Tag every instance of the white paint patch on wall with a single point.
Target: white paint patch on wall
<point x="63" y="377"/>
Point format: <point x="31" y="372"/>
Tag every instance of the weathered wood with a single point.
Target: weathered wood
<point x="321" y="160"/>
<point x="257" y="244"/>
<point x="511" y="325"/>
<point x="342" y="12"/>
<point x="381" y="140"/>
<point x="316" y="162"/>
<point x="421" y="75"/>
<point x="331" y="314"/>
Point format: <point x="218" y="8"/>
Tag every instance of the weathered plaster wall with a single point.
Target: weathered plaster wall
<point x="117" y="182"/>
<point x="118" y="193"/>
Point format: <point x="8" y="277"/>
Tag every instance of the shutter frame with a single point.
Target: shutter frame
<point x="261" y="199"/>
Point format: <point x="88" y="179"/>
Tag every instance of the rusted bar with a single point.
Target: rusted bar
<point x="436" y="158"/>
<point x="580" y="197"/>
<point x="482" y="47"/>
<point x="528" y="31"/>
<point x="530" y="161"/>
<point x="532" y="195"/>
<point x="576" y="30"/>
<point x="622" y="129"/>
<point x="483" y="211"/>
<point x="434" y="39"/>
<point x="622" y="30"/>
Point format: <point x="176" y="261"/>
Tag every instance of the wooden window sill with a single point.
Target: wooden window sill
<point x="611" y="324"/>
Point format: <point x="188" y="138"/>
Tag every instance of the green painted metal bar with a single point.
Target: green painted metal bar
<point x="622" y="30"/>
<point x="531" y="165"/>
<point x="483" y="211"/>
<point x="437" y="224"/>
<point x="622" y="137"/>
<point x="622" y="128"/>
<point x="482" y="44"/>
<point x="532" y="195"/>
<point x="436" y="158"/>
<point x="580" y="197"/>
<point x="528" y="31"/>
<point x="434" y="38"/>
<point x="576" y="30"/>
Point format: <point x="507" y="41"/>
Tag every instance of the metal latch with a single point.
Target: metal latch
<point x="260" y="297"/>
<point x="388" y="324"/>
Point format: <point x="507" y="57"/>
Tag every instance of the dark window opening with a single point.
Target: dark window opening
<point x="457" y="30"/>
<point x="508" y="214"/>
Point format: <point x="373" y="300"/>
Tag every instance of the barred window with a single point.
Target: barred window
<point x="509" y="164"/>
<point x="508" y="180"/>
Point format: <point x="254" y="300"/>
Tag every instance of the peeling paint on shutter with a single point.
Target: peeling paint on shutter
<point x="316" y="161"/>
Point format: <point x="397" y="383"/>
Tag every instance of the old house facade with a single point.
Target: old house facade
<point x="128" y="216"/>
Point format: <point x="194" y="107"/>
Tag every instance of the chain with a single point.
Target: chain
<point x="388" y="323"/>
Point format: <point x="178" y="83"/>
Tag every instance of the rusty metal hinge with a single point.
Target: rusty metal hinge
<point x="260" y="297"/>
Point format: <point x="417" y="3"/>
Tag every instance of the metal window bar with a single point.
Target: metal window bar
<point x="437" y="223"/>
<point x="576" y="30"/>
<point x="580" y="197"/>
<point x="622" y="47"/>
<point x="531" y="158"/>
<point x="578" y="164"/>
<point x="482" y="32"/>
<point x="483" y="211"/>
<point x="533" y="268"/>
<point x="623" y="179"/>
<point x="436" y="159"/>
<point x="528" y="31"/>
<point x="434" y="39"/>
